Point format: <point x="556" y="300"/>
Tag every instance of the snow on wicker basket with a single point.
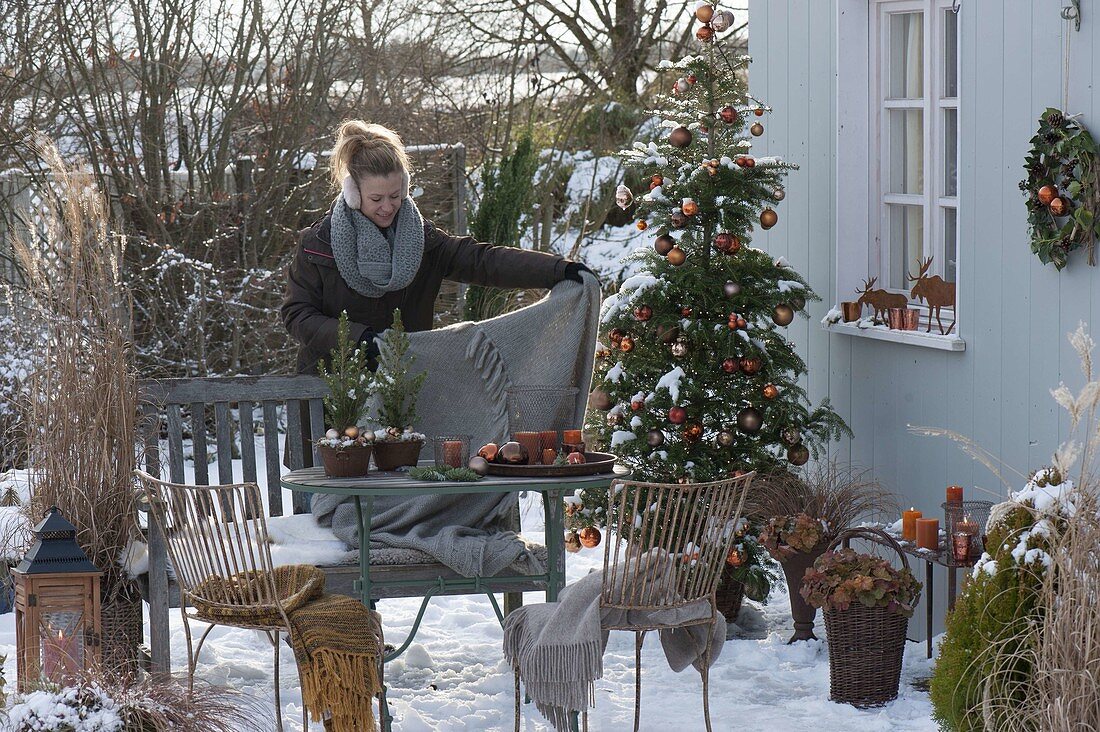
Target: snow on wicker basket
<point x="867" y="604"/>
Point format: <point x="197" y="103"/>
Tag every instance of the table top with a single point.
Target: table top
<point x="941" y="556"/>
<point x="395" y="483"/>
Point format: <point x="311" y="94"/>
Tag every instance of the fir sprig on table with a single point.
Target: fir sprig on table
<point x="464" y="475"/>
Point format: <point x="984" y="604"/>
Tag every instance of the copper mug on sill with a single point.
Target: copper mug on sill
<point x="851" y="311"/>
<point x="896" y="318"/>
<point x="911" y="319"/>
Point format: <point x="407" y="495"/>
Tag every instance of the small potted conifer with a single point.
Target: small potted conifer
<point x="345" y="449"/>
<point x="396" y="444"/>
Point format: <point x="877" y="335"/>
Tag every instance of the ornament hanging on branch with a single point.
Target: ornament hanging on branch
<point x="722" y="21"/>
<point x="731" y="288"/>
<point x="623" y="197"/>
<point x="783" y="314"/>
<point x="798" y="454"/>
<point x="676" y="256"/>
<point x="768" y="218"/>
<point x="655" y="438"/>
<point x="677" y="415"/>
<point x="749" y="420"/>
<point x="727" y="243"/>
<point x="704" y="12"/>
<point x="664" y="244"/>
<point x="779" y="194"/>
<point x="680" y="348"/>
<point x="680" y="137"/>
<point x="757" y="129"/>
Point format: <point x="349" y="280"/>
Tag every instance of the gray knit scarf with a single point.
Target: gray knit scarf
<point x="369" y="262"/>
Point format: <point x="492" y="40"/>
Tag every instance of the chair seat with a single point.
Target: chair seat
<point x="613" y="617"/>
<point x="241" y="598"/>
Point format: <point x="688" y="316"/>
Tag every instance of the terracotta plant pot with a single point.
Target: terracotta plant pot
<point x="349" y="462"/>
<point x="393" y="455"/>
<point x="802" y="612"/>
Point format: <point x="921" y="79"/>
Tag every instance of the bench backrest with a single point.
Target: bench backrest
<point x="178" y="406"/>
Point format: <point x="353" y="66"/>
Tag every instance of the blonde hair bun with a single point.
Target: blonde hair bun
<point x="363" y="149"/>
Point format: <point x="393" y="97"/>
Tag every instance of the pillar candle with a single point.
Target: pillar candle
<point x="909" y="524"/>
<point x="928" y="533"/>
<point x="548" y="440"/>
<point x="967" y="527"/>
<point x="452" y="453"/>
<point x="530" y="440"/>
<point x="549" y="455"/>
<point x="571" y="437"/>
<point x="954" y="494"/>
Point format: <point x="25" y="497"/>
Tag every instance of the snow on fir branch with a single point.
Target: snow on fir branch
<point x="671" y="382"/>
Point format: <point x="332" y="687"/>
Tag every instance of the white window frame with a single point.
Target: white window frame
<point x="862" y="140"/>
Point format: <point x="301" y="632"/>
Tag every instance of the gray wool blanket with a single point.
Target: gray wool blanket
<point x="538" y="360"/>
<point x="558" y="646"/>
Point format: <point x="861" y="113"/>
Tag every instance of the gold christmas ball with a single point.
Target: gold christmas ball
<point x="1047" y="194"/>
<point x="663" y="244"/>
<point x="779" y="194"/>
<point x="783" y="314"/>
<point x="572" y="542"/>
<point x="705" y="33"/>
<point x="768" y="218"/>
<point x="725" y="438"/>
<point x="590" y="536"/>
<point x="676" y="257"/>
<point x="680" y="137"/>
<point x="642" y="225"/>
<point x="689" y="207"/>
<point x="771" y="391"/>
<point x="351" y="431"/>
<point x="1058" y="207"/>
<point x="757" y="129"/>
<point x="704" y="12"/>
<point x="798" y="454"/>
<point x="600" y="399"/>
<point x="693" y="432"/>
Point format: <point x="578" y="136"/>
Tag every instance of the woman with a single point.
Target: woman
<point x="374" y="252"/>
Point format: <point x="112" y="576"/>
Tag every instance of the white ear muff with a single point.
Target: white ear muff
<point x="351" y="193"/>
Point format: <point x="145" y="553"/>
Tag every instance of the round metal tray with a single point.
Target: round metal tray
<point x="596" y="462"/>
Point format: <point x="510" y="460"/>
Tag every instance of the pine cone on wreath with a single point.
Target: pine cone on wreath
<point x="1051" y="137"/>
<point x="1056" y="119"/>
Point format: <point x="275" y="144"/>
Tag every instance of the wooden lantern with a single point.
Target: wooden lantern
<point x="57" y="606"/>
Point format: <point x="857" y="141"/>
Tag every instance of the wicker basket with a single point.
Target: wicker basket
<point x="122" y="632"/>
<point x="393" y="455"/>
<point x="731" y="594"/>
<point x="348" y="462"/>
<point x="866" y="644"/>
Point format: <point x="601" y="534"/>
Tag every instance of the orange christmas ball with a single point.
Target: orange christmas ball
<point x="689" y="207"/>
<point x="768" y="218"/>
<point x="750" y="162"/>
<point x="693" y="432"/>
<point x="637" y="405"/>
<point x="575" y="458"/>
<point x="626" y="345"/>
<point x="1047" y="194"/>
<point x="590" y="535"/>
<point x="704" y="12"/>
<point x="676" y="256"/>
<point x="771" y="391"/>
<point x="642" y="225"/>
<point x="705" y="33"/>
<point x="1058" y="206"/>
<point x="759" y="111"/>
<point x="728" y="114"/>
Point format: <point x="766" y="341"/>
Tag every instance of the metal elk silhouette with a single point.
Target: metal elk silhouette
<point x="936" y="291"/>
<point x="880" y="300"/>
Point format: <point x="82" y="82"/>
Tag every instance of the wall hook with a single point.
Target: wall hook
<point x="955" y="6"/>
<point x="1073" y="12"/>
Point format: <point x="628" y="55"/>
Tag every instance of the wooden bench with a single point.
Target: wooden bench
<point x="175" y="407"/>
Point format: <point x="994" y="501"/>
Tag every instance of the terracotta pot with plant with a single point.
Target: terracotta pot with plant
<point x="803" y="513"/>
<point x="345" y="449"/>
<point x="396" y="443"/>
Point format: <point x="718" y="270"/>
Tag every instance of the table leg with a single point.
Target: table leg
<point x="363" y="514"/>
<point x="555" y="546"/>
<point x="952" y="586"/>
<point x="930" y="600"/>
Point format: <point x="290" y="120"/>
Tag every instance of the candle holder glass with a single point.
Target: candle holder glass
<point x="976" y="511"/>
<point x="960" y="544"/>
<point x="451" y="451"/>
<point x="541" y="408"/>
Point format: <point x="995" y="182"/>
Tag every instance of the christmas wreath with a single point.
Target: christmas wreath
<point x="1062" y="189"/>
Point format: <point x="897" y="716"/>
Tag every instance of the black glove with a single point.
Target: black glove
<point x="573" y="272"/>
<point x="366" y="342"/>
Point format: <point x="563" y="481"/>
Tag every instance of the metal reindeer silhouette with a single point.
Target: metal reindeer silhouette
<point x="936" y="291"/>
<point x="880" y="300"/>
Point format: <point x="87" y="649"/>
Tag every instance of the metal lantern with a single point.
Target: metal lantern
<point x="57" y="605"/>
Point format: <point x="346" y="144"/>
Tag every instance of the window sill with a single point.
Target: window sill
<point x="863" y="329"/>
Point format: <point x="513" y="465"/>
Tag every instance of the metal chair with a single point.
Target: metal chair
<point x="219" y="548"/>
<point x="692" y="524"/>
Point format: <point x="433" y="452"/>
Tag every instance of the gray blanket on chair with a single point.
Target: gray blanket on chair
<point x="558" y="646"/>
<point x="471" y="368"/>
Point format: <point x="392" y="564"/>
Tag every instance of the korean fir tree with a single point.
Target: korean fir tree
<point x="697" y="380"/>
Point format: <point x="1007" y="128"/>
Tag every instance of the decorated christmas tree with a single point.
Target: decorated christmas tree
<point x="697" y="381"/>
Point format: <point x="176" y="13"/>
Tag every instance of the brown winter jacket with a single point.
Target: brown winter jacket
<point x="316" y="293"/>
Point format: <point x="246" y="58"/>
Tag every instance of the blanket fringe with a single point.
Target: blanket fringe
<point x="343" y="685"/>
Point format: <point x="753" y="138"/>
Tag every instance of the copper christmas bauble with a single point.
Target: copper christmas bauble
<point x="655" y="438"/>
<point x="689" y="207"/>
<point x="575" y="458"/>
<point x="513" y="453"/>
<point x="663" y="244"/>
<point x="693" y="432"/>
<point x="678" y="219"/>
<point x="1058" y="207"/>
<point x="479" y="465"/>
<point x="704" y="12"/>
<point x="590" y="536"/>
<point x="725" y="438"/>
<point x="676" y="257"/>
<point x="489" y="450"/>
<point x="730" y="365"/>
<point x="723" y="241"/>
<point x="749" y="162"/>
<point x="680" y="137"/>
<point x="656" y="178"/>
<point x="779" y="194"/>
<point x="668" y="333"/>
<point x="677" y="415"/>
<point x="728" y="114"/>
<point x="798" y="454"/>
<point x="750" y="365"/>
<point x="740" y="161"/>
<point x="757" y="129"/>
<point x="626" y="345"/>
<point x="771" y="391"/>
<point x="642" y="225"/>
<point x="572" y="542"/>
<point x="637" y="405"/>
<point x="782" y="314"/>
<point x="654" y="183"/>
<point x="705" y="33"/>
<point x="692" y="78"/>
<point x="731" y="288"/>
<point x="768" y="218"/>
<point x="643" y="313"/>
<point x="1047" y="194"/>
<point x="600" y="399"/>
<point x="734" y="558"/>
<point x="749" y="420"/>
<point x="351" y="431"/>
<point x="791" y="436"/>
<point x="685" y="311"/>
<point x="680" y="348"/>
<point x="615" y="335"/>
<point x="759" y="111"/>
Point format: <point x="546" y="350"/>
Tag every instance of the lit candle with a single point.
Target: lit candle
<point x="954" y="494"/>
<point x="452" y="453"/>
<point x="549" y="455"/>
<point x="548" y="440"/>
<point x="909" y="524"/>
<point x="928" y="533"/>
<point x="967" y="526"/>
<point x="530" y="441"/>
<point x="571" y="437"/>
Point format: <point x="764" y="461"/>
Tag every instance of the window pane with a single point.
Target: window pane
<point x="951" y="54"/>
<point x="906" y="141"/>
<point x="950" y="242"/>
<point x="906" y="44"/>
<point x="950" y="152"/>
<point x="906" y="242"/>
